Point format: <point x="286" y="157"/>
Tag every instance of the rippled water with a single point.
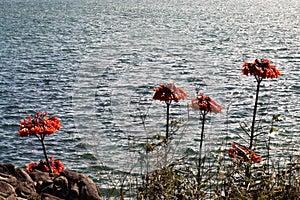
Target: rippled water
<point x="94" y="64"/>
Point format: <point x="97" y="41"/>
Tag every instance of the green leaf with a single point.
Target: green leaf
<point x="276" y="117"/>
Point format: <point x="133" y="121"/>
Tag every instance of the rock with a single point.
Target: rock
<point x="17" y="179"/>
<point x="74" y="192"/>
<point x="8" y="179"/>
<point x="20" y="174"/>
<point x="81" y="184"/>
<point x="67" y="185"/>
<point x="42" y="180"/>
<point x="6" y="190"/>
<point x="16" y="184"/>
<point x="46" y="196"/>
<point x="61" y="187"/>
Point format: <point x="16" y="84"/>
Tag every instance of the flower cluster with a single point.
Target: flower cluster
<point x="261" y="68"/>
<point x="39" y="125"/>
<point x="168" y="92"/>
<point x="241" y="152"/>
<point x="56" y="166"/>
<point x="205" y="103"/>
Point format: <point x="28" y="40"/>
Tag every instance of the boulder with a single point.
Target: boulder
<point x="7" y="191"/>
<point x="18" y="179"/>
<point x="15" y="183"/>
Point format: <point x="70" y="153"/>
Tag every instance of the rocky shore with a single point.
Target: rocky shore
<point x="16" y="184"/>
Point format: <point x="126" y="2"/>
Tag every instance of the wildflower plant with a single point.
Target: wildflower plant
<point x="40" y="126"/>
<point x="168" y="93"/>
<point x="205" y="105"/>
<point x="260" y="69"/>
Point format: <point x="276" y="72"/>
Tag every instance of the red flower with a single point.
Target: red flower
<point x="169" y="92"/>
<point x="39" y="125"/>
<point x="205" y="103"/>
<point x="56" y="166"/>
<point x="241" y="152"/>
<point x="260" y="68"/>
<point x="255" y="158"/>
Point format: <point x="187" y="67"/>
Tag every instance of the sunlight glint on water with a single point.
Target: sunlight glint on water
<point x="94" y="64"/>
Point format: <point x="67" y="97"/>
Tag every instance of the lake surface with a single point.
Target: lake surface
<point x="94" y="65"/>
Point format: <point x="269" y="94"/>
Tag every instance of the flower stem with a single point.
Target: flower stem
<point x="247" y="171"/>
<point x="200" y="147"/>
<point x="45" y="154"/>
<point x="168" y="116"/>
<point x="254" y="113"/>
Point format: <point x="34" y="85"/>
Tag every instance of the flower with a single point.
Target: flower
<point x="205" y="103"/>
<point x="255" y="158"/>
<point x="56" y="165"/>
<point x="260" y="68"/>
<point x="168" y="92"/>
<point x="39" y="125"/>
<point x="242" y="152"/>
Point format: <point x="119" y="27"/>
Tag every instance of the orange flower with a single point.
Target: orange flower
<point x="261" y="69"/>
<point x="56" y="165"/>
<point x="168" y="92"/>
<point x="255" y="158"/>
<point x="241" y="152"/>
<point x="39" y="125"/>
<point x="205" y="103"/>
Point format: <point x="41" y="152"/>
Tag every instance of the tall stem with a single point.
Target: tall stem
<point x="45" y="153"/>
<point x="168" y="116"/>
<point x="200" y="147"/>
<point x="254" y="113"/>
<point x="247" y="171"/>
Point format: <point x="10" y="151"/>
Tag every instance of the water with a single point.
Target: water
<point x="94" y="65"/>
